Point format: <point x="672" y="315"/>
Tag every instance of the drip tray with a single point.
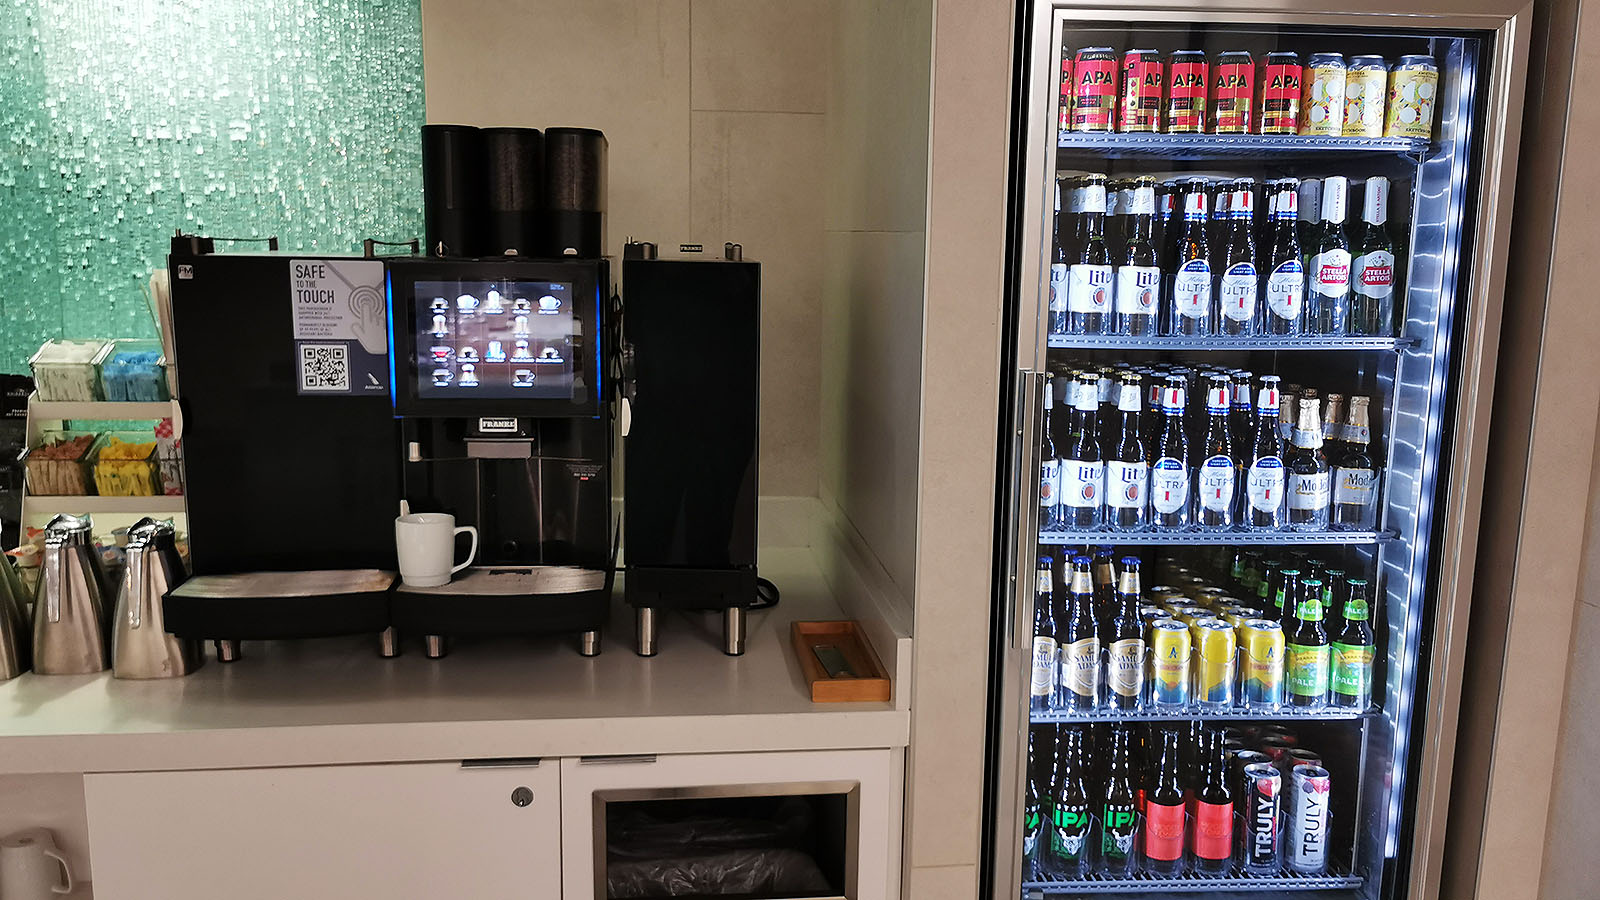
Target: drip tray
<point x="491" y="600"/>
<point x="280" y="605"/>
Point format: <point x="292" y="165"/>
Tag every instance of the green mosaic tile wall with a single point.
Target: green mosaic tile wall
<point x="121" y="121"/>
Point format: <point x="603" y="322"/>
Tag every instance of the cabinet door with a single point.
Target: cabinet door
<point x="393" y="831"/>
<point x="868" y="779"/>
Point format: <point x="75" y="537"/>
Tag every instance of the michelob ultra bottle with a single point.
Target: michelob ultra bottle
<point x="1216" y="473"/>
<point x="1239" y="285"/>
<point x="1193" y="308"/>
<point x="1169" y="474"/>
<point x="1265" y="481"/>
<point x="1285" y="309"/>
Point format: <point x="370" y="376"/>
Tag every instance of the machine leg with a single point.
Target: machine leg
<point x="645" y="627"/>
<point x="589" y="643"/>
<point x="434" y="645"/>
<point x="733" y="631"/>
<point x="389" y="643"/>
<point x="228" y="651"/>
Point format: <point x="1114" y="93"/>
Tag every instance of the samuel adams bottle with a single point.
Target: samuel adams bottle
<point x="1192" y="310"/>
<point x="1124" y="639"/>
<point x="1046" y="658"/>
<point x="1089" y="277"/>
<point x="1080" y="642"/>
<point x="1138" y="275"/>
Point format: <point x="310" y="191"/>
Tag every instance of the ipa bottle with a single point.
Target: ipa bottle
<point x="1306" y="656"/>
<point x="1240" y="283"/>
<point x="1330" y="263"/>
<point x="1059" y="266"/>
<point x="1080" y="642"/>
<point x="1165" y="812"/>
<point x="1372" y="270"/>
<point x="1128" y="466"/>
<point x="1068" y="855"/>
<point x="1138" y="272"/>
<point x="1169" y="474"/>
<point x="1308" y="470"/>
<point x="1264" y="479"/>
<point x="1353" y="651"/>
<point x="1285" y="309"/>
<point x="1050" y="512"/>
<point x="1082" y="471"/>
<point x="1124" y="639"/>
<point x="1119" y="812"/>
<point x="1213" y="809"/>
<point x="1046" y="657"/>
<point x="1089" y="276"/>
<point x="1033" y="808"/>
<point x="1193" y="309"/>
<point x="1355" y="478"/>
<point x="1215" y="470"/>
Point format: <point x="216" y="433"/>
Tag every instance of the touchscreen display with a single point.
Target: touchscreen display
<point x="502" y="340"/>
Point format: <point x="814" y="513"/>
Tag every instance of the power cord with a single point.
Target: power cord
<point x="767" y="594"/>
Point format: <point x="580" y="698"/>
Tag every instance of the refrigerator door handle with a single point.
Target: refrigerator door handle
<point x="1024" y="519"/>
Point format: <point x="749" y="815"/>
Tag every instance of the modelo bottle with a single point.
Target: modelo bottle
<point x="1216" y="472"/>
<point x="1169" y="474"/>
<point x="1193" y="308"/>
<point x="1138" y="276"/>
<point x="1354" y="476"/>
<point x="1127" y="467"/>
<point x="1284" y="311"/>
<point x="1329" y="269"/>
<point x="1089" y="275"/>
<point x="1239" y="284"/>
<point x="1309" y="478"/>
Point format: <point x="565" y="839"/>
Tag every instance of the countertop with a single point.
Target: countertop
<point x="335" y="701"/>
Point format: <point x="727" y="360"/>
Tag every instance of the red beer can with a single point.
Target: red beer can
<point x="1142" y="83"/>
<point x="1187" y="86"/>
<point x="1065" y="122"/>
<point x="1094" y="93"/>
<point x="1233" y="93"/>
<point x="1279" y="111"/>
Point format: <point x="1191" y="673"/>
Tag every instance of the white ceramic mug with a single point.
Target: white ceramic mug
<point x="426" y="544"/>
<point x="31" y="868"/>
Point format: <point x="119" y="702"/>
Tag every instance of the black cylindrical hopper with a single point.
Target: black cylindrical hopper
<point x="574" y="192"/>
<point x="514" y="179"/>
<point x="452" y="190"/>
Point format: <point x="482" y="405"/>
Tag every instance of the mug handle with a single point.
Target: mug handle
<point x="66" y="871"/>
<point x="471" y="554"/>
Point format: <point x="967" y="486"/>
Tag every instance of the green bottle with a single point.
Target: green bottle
<point x="1306" y="660"/>
<point x="1353" y="652"/>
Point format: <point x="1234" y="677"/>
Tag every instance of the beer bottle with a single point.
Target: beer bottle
<point x="1286" y="597"/>
<point x="1105" y="582"/>
<point x="1285" y="309"/>
<point x="1164" y="813"/>
<point x="1240" y="282"/>
<point x="1335" y="595"/>
<point x="1241" y="411"/>
<point x="1308" y="470"/>
<point x="1330" y="264"/>
<point x="1082" y="471"/>
<point x="1308" y="200"/>
<point x="1171" y="224"/>
<point x="1264" y="480"/>
<point x="1333" y="426"/>
<point x="1169" y="475"/>
<point x="1059" y="266"/>
<point x="1353" y="652"/>
<point x="1106" y="420"/>
<point x="1306" y="655"/>
<point x="1372" y="271"/>
<point x="1217" y="197"/>
<point x="1050" y="513"/>
<point x="1267" y="588"/>
<point x="1288" y="411"/>
<point x="1138" y="271"/>
<point x="1089" y="278"/>
<point x="1215" y="469"/>
<point x="1045" y="653"/>
<point x="1213" y="811"/>
<point x="1128" y="465"/>
<point x="1033" y="806"/>
<point x="1124" y="639"/>
<point x="1193" y="307"/>
<point x="1113" y="220"/>
<point x="1119" y="813"/>
<point x="1154" y="422"/>
<point x="1069" y="807"/>
<point x="1080" y="643"/>
<point x="1355" y="478"/>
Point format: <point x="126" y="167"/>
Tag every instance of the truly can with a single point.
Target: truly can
<point x="1279" y="87"/>
<point x="1263" y="819"/>
<point x="1300" y="756"/>
<point x="1187" y="85"/>
<point x="1233" y="93"/>
<point x="1309" y="791"/>
<point x="1413" y="90"/>
<point x="1366" y="85"/>
<point x="1322" y="102"/>
<point x="1094" y="89"/>
<point x="1276" y="746"/>
<point x="1067" y="86"/>
<point x="1263" y="644"/>
<point x="1169" y="654"/>
<point x="1216" y="672"/>
<point x="1142" y="91"/>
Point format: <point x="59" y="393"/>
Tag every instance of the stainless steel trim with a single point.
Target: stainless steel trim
<point x="644" y="625"/>
<point x="733" y="631"/>
<point x="502" y="762"/>
<point x="1024" y="530"/>
<point x="617" y="759"/>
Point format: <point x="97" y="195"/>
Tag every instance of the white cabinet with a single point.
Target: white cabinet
<point x="860" y="809"/>
<point x="387" y="832"/>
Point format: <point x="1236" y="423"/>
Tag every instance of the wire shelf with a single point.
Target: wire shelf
<point x="1225" y="342"/>
<point x="1223" y="146"/>
<point x="1189" y="714"/>
<point x="1194" y="537"/>
<point x="1193" y="882"/>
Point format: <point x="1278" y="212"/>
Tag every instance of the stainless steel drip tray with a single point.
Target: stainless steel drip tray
<point x="510" y="581"/>
<point x="258" y="585"/>
<point x="280" y="605"/>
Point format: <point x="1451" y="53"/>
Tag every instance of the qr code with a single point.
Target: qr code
<point x="324" y="367"/>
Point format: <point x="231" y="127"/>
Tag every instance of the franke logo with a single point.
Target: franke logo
<point x="497" y="426"/>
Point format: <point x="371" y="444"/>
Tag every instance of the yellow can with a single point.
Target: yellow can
<point x="1413" y="91"/>
<point x="1170" y="648"/>
<point x="1322" y="106"/>
<point x="1263" y="663"/>
<point x="1366" y="87"/>
<point x="1216" y="673"/>
<point x="1209" y="597"/>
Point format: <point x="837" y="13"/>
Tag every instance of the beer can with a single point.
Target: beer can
<point x="1169" y="646"/>
<point x="1413" y="91"/>
<point x="1300" y="756"/>
<point x="1216" y="672"/>
<point x="1279" y="87"/>
<point x="1233" y="93"/>
<point x="1366" y="86"/>
<point x="1276" y="746"/>
<point x="1067" y="86"/>
<point x="1322" y="104"/>
<point x="1187" y="85"/>
<point x="1209" y="597"/>
<point x="1094" y="91"/>
<point x="1152" y="614"/>
<point x="1142" y="91"/>
<point x="1236" y="617"/>
<point x="1263" y="663"/>
<point x="1263" y="819"/>
<point x="1309" y="790"/>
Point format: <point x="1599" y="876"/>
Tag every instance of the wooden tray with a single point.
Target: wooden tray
<point x="871" y="681"/>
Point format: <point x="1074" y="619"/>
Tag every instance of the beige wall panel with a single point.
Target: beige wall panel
<point x="1574" y="827"/>
<point x="760" y="55"/>
<point x="943" y="883"/>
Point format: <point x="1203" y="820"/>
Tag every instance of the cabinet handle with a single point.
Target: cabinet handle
<point x="502" y="762"/>
<point x="620" y="759"/>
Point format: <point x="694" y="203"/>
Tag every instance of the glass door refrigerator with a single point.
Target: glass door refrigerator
<point x="1257" y="262"/>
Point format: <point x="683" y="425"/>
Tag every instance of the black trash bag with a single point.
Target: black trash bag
<point x="694" y="849"/>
